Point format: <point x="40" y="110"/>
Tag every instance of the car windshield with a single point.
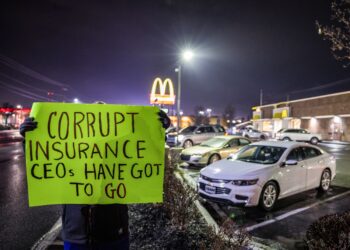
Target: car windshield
<point x="189" y="129"/>
<point x="259" y="154"/>
<point x="214" y="142"/>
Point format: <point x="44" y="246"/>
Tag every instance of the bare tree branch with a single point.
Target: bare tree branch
<point x="338" y="33"/>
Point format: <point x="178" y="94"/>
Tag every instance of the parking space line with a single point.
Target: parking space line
<point x="293" y="212"/>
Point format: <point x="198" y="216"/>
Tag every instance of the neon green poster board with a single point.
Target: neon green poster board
<point x="94" y="154"/>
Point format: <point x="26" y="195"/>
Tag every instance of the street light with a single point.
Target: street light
<point x="76" y="100"/>
<point x="186" y="56"/>
<point x="209" y="112"/>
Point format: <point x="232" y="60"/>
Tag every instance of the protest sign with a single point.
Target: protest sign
<point x="94" y="154"/>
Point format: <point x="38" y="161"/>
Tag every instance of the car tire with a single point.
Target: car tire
<point x="314" y="140"/>
<point x="214" y="158"/>
<point x="325" y="181"/>
<point x="188" y="143"/>
<point x="268" y="196"/>
<point x="286" y="139"/>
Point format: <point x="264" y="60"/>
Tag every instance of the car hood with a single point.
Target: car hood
<point x="197" y="150"/>
<point x="175" y="133"/>
<point x="230" y="170"/>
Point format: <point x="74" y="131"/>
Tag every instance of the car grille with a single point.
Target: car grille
<point x="214" y="180"/>
<point x="218" y="190"/>
<point x="171" y="139"/>
<point x="185" y="157"/>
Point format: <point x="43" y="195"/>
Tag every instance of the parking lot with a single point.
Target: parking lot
<point x="288" y="222"/>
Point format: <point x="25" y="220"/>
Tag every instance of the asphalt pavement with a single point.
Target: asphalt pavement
<point x="20" y="225"/>
<point x="288" y="222"/>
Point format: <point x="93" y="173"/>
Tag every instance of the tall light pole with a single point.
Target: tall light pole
<point x="186" y="56"/>
<point x="178" y="70"/>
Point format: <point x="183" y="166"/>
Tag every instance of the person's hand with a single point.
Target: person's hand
<point x="164" y="119"/>
<point x="28" y="125"/>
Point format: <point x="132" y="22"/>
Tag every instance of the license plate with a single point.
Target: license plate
<point x="210" y="189"/>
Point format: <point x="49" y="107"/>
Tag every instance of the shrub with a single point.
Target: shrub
<point x="330" y="232"/>
<point x="179" y="205"/>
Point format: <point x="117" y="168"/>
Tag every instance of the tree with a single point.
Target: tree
<point x="199" y="113"/>
<point x="338" y="33"/>
<point x="7" y="105"/>
<point x="7" y="114"/>
<point x="229" y="114"/>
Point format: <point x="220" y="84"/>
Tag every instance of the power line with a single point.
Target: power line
<point x="26" y="84"/>
<point x="25" y="70"/>
<point x="16" y="92"/>
<point x="320" y="87"/>
<point x="21" y="91"/>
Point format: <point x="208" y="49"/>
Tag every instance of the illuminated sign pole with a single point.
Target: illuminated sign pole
<point x="178" y="97"/>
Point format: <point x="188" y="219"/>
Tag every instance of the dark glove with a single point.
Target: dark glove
<point x="28" y="125"/>
<point x="164" y="119"/>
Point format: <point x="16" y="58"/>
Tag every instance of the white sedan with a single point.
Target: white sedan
<point x="263" y="172"/>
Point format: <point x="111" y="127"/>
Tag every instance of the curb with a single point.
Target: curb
<point x="336" y="142"/>
<point x="47" y="239"/>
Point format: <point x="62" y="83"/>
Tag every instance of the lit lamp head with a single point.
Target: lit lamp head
<point x="187" y="55"/>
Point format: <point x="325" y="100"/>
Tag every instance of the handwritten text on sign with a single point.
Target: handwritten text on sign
<point x="94" y="154"/>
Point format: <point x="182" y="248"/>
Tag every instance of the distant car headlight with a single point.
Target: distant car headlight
<point x="180" y="137"/>
<point x="245" y="182"/>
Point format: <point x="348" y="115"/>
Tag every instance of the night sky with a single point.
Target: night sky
<point x="112" y="51"/>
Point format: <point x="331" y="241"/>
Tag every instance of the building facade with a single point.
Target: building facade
<point x="328" y="115"/>
<point x="12" y="117"/>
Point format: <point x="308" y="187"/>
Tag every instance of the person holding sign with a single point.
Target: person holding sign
<point x="103" y="225"/>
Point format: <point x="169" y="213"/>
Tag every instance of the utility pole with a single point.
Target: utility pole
<point x="261" y="97"/>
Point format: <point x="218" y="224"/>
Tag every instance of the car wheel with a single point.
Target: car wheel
<point x="188" y="143"/>
<point x="314" y="140"/>
<point x="268" y="196"/>
<point x="325" y="181"/>
<point x="286" y="139"/>
<point x="214" y="158"/>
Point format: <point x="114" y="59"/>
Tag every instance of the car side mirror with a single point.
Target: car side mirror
<point x="290" y="162"/>
<point x="231" y="156"/>
<point x="227" y="146"/>
<point x="198" y="132"/>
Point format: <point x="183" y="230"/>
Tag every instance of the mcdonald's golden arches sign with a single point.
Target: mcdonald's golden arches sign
<point x="159" y="93"/>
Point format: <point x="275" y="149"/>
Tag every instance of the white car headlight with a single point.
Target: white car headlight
<point x="180" y="137"/>
<point x="245" y="182"/>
